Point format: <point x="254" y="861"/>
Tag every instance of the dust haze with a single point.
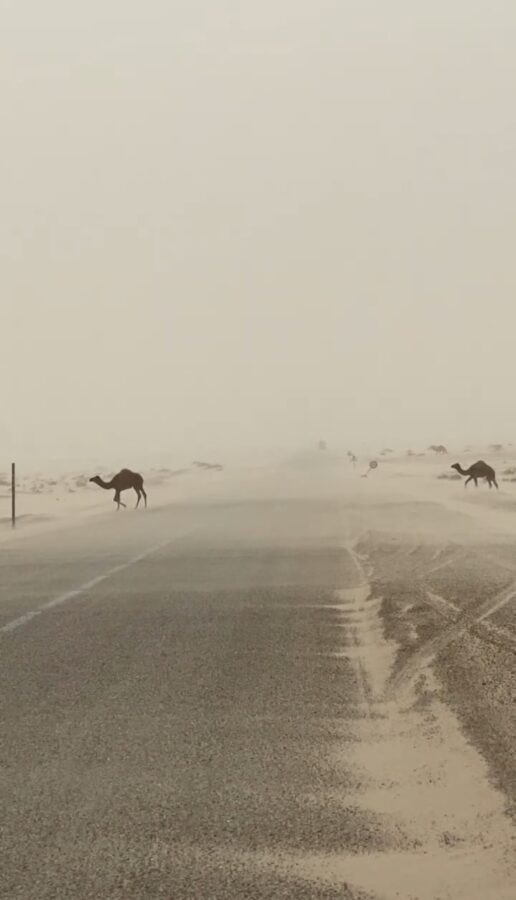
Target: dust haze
<point x="247" y="249"/>
<point x="239" y="226"/>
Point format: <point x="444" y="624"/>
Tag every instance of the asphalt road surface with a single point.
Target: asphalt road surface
<point x="176" y="709"/>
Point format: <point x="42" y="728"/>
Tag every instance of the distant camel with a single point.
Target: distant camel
<point x="438" y="448"/>
<point x="122" y="482"/>
<point x="478" y="470"/>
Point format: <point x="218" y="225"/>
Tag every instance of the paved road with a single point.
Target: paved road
<point x="170" y="729"/>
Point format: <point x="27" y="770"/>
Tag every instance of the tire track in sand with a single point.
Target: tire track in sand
<point x="418" y="771"/>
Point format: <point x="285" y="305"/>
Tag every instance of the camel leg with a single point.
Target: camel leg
<point x="468" y="481"/>
<point x="139" y="497"/>
<point x="118" y="501"/>
<point x="144" y="497"/>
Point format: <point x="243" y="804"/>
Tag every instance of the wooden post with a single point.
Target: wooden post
<point x="13" y="495"/>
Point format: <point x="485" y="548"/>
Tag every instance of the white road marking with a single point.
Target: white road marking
<point x="76" y="592"/>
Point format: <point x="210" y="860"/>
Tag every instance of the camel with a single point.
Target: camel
<point x="438" y="448"/>
<point x="122" y="482"/>
<point x="478" y="470"/>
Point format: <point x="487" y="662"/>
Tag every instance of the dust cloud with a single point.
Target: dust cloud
<point x="247" y="250"/>
<point x="231" y="234"/>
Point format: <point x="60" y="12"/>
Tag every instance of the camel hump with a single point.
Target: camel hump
<point x="130" y="477"/>
<point x="483" y="466"/>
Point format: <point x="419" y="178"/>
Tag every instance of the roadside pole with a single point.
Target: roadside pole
<point x="13" y="495"/>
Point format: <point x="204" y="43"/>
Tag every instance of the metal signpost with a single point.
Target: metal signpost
<point x="13" y="495"/>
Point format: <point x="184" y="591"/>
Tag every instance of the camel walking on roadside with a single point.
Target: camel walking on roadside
<point x="478" y="470"/>
<point x="122" y="482"/>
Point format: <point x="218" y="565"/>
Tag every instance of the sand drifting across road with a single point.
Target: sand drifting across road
<point x="417" y="771"/>
<point x="450" y="837"/>
<point x="418" y="768"/>
<point x="425" y="741"/>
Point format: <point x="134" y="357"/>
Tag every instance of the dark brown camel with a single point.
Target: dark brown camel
<point x="478" y="470"/>
<point x="122" y="482"/>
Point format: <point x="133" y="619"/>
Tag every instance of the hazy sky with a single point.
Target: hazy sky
<point x="256" y="223"/>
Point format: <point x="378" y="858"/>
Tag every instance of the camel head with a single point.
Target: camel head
<point x="96" y="479"/>
<point x="456" y="466"/>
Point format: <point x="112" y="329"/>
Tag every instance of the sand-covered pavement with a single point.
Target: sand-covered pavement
<point x="290" y="683"/>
